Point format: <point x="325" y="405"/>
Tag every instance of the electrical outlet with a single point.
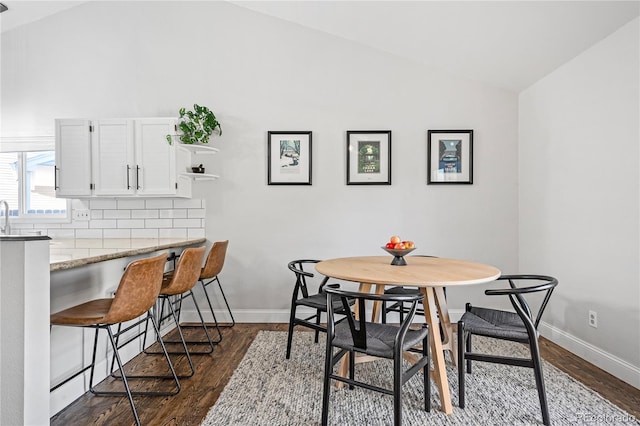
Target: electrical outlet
<point x="81" y="214"/>
<point x="593" y="319"/>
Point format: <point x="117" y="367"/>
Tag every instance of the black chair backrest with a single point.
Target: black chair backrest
<point x="515" y="293"/>
<point x="359" y="331"/>
<point x="297" y="267"/>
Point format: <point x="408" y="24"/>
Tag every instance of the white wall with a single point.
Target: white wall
<point x="579" y="199"/>
<point x="258" y="73"/>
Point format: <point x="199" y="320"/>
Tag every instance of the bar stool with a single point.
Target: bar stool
<point x="212" y="268"/>
<point x="136" y="294"/>
<point x="176" y="286"/>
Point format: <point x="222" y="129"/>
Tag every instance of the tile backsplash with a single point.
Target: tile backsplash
<point x="128" y="218"/>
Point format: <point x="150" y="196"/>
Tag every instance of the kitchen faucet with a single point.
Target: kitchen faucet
<point x="5" y="229"/>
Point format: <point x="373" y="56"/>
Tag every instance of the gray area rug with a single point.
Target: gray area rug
<point x="267" y="389"/>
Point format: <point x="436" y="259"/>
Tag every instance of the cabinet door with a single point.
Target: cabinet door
<point x="155" y="158"/>
<point x="113" y="157"/>
<point x="73" y="158"/>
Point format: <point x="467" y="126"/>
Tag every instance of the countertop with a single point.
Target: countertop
<point x="73" y="253"/>
<point x="4" y="237"/>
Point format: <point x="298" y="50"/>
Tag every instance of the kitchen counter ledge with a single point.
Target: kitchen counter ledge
<point x="73" y="253"/>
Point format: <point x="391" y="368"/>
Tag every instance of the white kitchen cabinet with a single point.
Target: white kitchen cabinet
<point x="113" y="157"/>
<point x="127" y="158"/>
<point x="155" y="158"/>
<point x="73" y="158"/>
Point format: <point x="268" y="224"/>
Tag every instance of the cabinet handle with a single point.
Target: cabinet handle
<point x="55" y="178"/>
<point x="128" y="182"/>
<point x="137" y="177"/>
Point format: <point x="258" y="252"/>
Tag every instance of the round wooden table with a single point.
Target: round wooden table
<point x="431" y="275"/>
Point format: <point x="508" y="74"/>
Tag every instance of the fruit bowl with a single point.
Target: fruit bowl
<point x="398" y="259"/>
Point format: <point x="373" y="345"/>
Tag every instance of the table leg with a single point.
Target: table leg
<point x="445" y="322"/>
<point x="439" y="367"/>
<point x="375" y="315"/>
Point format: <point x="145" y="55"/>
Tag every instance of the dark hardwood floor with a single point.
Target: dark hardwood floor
<point x="213" y="371"/>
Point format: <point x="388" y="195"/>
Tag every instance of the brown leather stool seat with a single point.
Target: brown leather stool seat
<point x="136" y="295"/>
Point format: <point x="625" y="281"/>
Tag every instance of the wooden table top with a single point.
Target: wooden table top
<point x="419" y="271"/>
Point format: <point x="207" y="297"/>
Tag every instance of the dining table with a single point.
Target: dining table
<point x="428" y="274"/>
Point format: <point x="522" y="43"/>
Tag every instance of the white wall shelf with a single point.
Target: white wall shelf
<point x="200" y="149"/>
<point x="200" y="176"/>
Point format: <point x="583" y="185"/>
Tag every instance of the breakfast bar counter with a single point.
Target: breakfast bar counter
<point x="74" y="253"/>
<point x="80" y="270"/>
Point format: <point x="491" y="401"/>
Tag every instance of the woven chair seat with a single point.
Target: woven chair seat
<point x="495" y="323"/>
<point x="319" y="301"/>
<point x="400" y="290"/>
<point x="380" y="338"/>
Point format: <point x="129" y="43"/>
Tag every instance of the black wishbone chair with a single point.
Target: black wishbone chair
<point x="378" y="340"/>
<point x="302" y="297"/>
<point x="521" y="326"/>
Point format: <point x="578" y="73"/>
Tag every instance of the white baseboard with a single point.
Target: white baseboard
<point x="610" y="363"/>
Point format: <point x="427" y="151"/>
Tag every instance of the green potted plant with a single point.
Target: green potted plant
<point x="196" y="126"/>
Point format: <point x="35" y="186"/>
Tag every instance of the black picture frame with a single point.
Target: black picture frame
<point x="289" y="157"/>
<point x="369" y="157"/>
<point x="449" y="157"/>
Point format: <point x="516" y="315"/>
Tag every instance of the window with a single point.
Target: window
<point x="27" y="184"/>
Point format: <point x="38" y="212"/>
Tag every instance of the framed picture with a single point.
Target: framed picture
<point x="289" y="158"/>
<point x="369" y="157"/>
<point x="450" y="156"/>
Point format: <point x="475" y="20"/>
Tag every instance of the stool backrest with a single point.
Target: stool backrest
<point x="215" y="260"/>
<point x="187" y="272"/>
<point x="138" y="289"/>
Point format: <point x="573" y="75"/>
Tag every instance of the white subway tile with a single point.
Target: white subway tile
<point x="173" y="213"/>
<point x="61" y="233"/>
<point x="117" y="214"/>
<point x="130" y="223"/>
<point x="187" y="203"/>
<point x="196" y="213"/>
<point x="131" y="204"/>
<point x="195" y="233"/>
<point x="158" y="223"/>
<point x="144" y="233"/>
<point x="103" y="224"/>
<point x="89" y="233"/>
<point x="186" y="223"/>
<point x="172" y="233"/>
<point x="96" y="214"/>
<point x="108" y="203"/>
<point x="119" y="235"/>
<point x="145" y="214"/>
<point x="75" y="225"/>
<point x="158" y="204"/>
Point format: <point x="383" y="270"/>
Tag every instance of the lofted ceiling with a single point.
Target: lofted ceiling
<point x="23" y="12"/>
<point x="509" y="44"/>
